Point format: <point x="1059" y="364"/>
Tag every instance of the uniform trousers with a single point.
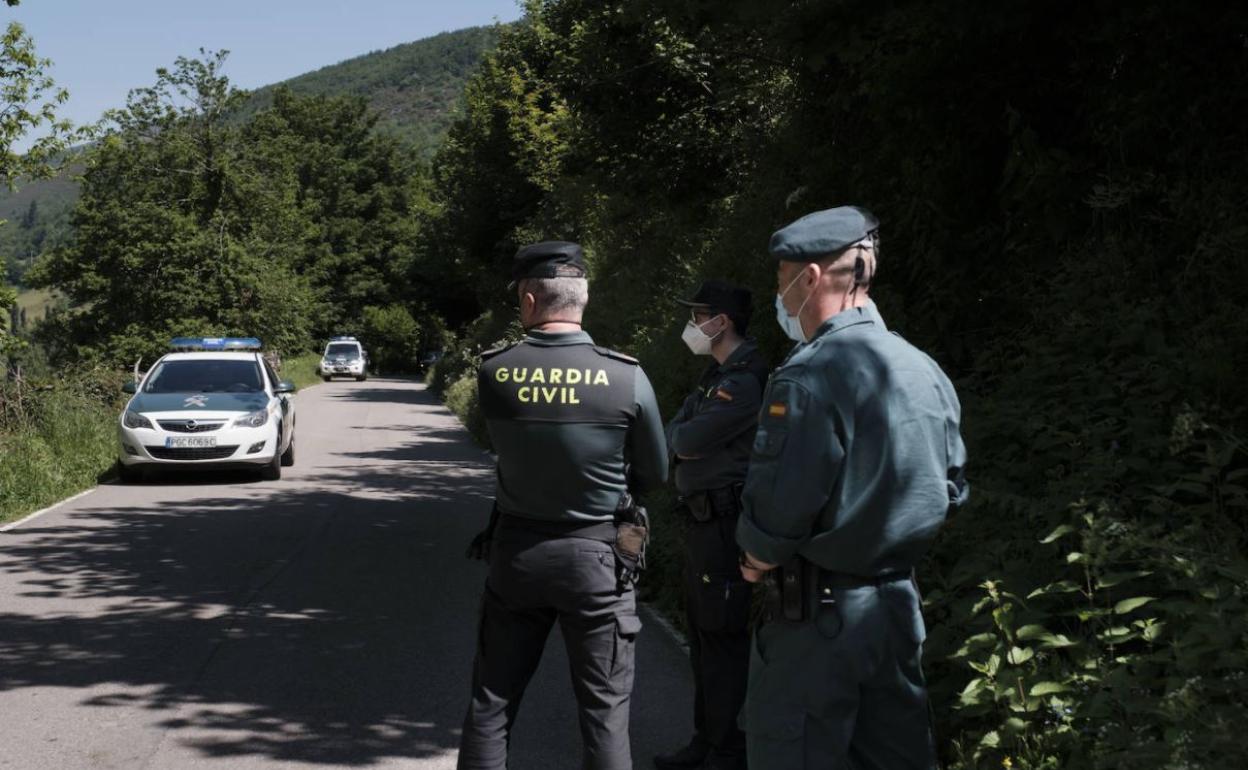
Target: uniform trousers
<point x="535" y="580"/>
<point x="844" y="689"/>
<point x="717" y="603"/>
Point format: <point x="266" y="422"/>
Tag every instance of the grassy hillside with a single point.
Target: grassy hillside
<point x="414" y="87"/>
<point x="36" y="303"/>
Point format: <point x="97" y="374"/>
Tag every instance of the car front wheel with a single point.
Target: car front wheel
<point x="288" y="457"/>
<point x="272" y="471"/>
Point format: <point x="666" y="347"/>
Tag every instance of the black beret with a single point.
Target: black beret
<point x="817" y="235"/>
<point x="721" y="297"/>
<point x="549" y="259"/>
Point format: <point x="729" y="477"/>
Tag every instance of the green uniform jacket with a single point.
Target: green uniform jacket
<point x="858" y="455"/>
<point x="574" y="425"/>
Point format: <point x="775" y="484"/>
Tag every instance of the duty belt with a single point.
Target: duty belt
<point x="801" y="586"/>
<point x="589" y="530"/>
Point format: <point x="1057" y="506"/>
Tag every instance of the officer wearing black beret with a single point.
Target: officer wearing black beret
<point x="576" y="428"/>
<point x="857" y="461"/>
<point x="709" y="441"/>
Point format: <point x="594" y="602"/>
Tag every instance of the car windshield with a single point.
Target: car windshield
<point x="207" y="376"/>
<point x="343" y="349"/>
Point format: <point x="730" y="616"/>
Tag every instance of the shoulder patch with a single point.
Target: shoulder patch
<point x="487" y="354"/>
<point x="783" y="401"/>
<point x="618" y="356"/>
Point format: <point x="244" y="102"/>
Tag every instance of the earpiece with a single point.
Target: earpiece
<point x="860" y="271"/>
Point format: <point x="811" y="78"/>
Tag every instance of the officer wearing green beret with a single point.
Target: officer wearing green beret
<point x="709" y="440"/>
<point x="576" y="428"/>
<point x="857" y="461"/>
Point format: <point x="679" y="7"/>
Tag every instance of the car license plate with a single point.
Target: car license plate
<point x="190" y="442"/>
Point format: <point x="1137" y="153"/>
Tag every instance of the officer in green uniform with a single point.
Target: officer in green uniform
<point x="709" y="440"/>
<point x="856" y="463"/>
<point x="575" y="427"/>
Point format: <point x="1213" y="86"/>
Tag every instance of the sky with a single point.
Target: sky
<point x="100" y="49"/>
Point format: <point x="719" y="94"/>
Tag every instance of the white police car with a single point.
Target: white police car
<point x="213" y="402"/>
<point x="344" y="357"/>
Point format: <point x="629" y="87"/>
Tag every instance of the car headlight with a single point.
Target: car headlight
<point x="136" y="420"/>
<point x="253" y="420"/>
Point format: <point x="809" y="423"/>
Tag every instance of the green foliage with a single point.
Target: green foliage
<point x="1086" y="291"/>
<point x="57" y="437"/>
<point x="461" y="398"/>
<point x="411" y="91"/>
<point x="393" y="338"/>
<point x="29" y="99"/>
<point x="284" y="227"/>
<point x="413" y="87"/>
<point x="301" y="369"/>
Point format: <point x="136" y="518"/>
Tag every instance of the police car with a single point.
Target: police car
<point x="344" y="357"/>
<point x="213" y="401"/>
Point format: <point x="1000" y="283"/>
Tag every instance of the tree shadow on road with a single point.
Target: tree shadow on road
<point x="312" y="625"/>
<point x="379" y="393"/>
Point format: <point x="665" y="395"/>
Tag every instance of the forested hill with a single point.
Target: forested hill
<point x="414" y="87"/>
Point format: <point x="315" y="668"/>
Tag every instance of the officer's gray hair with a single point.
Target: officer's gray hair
<point x="868" y="250"/>
<point x="557" y="295"/>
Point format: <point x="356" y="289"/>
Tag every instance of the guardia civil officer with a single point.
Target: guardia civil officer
<point x="856" y="463"/>
<point x="709" y="440"/>
<point x="575" y="426"/>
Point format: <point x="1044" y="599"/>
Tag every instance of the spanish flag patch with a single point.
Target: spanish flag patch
<point x="778" y="409"/>
<point x="722" y="394"/>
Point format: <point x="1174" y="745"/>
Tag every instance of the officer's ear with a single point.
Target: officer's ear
<point x="528" y="304"/>
<point x="812" y="274"/>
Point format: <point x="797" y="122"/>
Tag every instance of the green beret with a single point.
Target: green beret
<point x="817" y="235"/>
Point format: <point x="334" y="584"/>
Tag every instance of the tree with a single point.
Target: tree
<point x="284" y="225"/>
<point x="29" y="99"/>
<point x="175" y="230"/>
<point x="28" y="102"/>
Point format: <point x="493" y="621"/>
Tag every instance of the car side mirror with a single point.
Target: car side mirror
<point x="284" y="386"/>
<point x="130" y="387"/>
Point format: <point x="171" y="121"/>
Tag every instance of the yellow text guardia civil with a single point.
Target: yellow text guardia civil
<point x="562" y="383"/>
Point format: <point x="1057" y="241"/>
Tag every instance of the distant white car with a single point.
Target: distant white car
<point x="344" y="357"/>
<point x="215" y="402"/>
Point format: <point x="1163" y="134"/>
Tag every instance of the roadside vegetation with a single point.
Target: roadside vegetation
<point x="58" y="436"/>
<point x="1084" y="287"/>
<point x="1060" y="190"/>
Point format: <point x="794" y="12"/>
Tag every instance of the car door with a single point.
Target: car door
<point x="287" y="409"/>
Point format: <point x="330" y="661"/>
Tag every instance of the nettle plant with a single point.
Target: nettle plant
<point x="1135" y="656"/>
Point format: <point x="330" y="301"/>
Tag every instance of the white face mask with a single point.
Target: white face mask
<point x="699" y="342"/>
<point x="791" y="324"/>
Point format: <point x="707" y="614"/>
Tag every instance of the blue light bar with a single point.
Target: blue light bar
<point x="215" y="343"/>
<point x="343" y="338"/>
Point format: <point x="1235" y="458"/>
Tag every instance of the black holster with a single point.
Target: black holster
<point x="792" y="580"/>
<point x="632" y="535"/>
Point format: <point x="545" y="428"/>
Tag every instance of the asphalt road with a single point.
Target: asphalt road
<point x="327" y="619"/>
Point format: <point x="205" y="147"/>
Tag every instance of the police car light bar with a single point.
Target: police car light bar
<point x="344" y="338"/>
<point x="215" y="343"/>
